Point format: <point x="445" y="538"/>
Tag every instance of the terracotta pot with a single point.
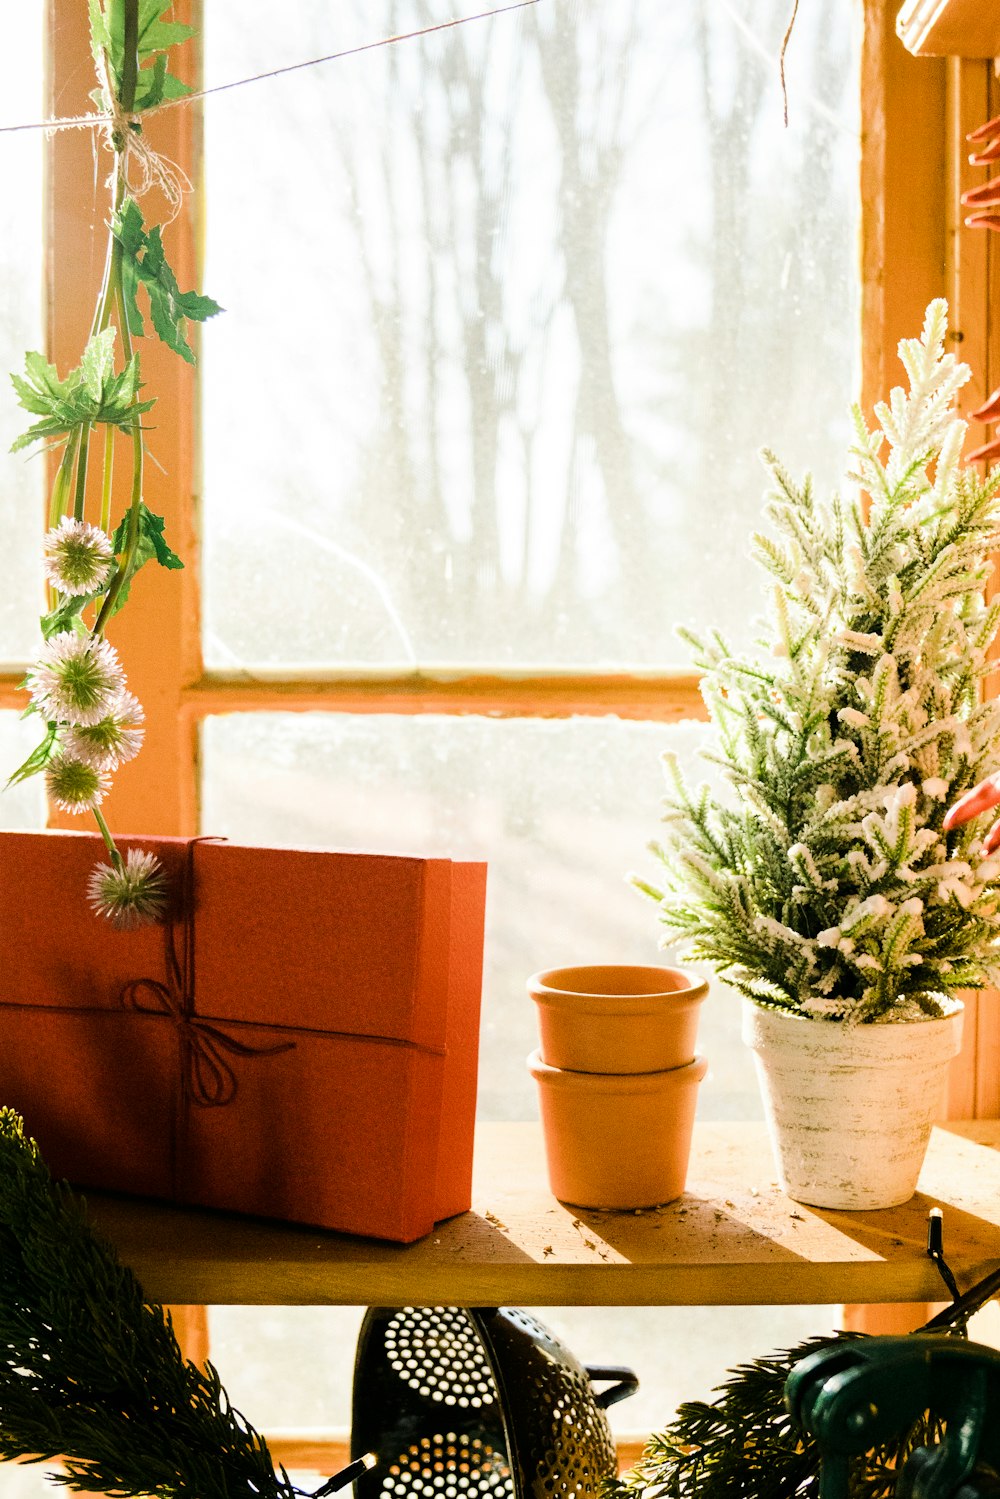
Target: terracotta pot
<point x="617" y="1141"/>
<point x="617" y="1017"/>
<point x="850" y="1107"/>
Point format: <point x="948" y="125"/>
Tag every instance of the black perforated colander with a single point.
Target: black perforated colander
<point x="478" y="1404"/>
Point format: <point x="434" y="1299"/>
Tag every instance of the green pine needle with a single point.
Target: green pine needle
<point x="91" y="1375"/>
<point x="744" y="1444"/>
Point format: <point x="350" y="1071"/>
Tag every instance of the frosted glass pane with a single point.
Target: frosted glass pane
<point x="21" y="479"/>
<point x="21" y="806"/>
<point x="561" y="811"/>
<point x="510" y="310"/>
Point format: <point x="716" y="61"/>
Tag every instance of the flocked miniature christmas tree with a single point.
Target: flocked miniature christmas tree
<point x="825" y="883"/>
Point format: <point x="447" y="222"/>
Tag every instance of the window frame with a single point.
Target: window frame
<point x="913" y="168"/>
<point x="904" y="106"/>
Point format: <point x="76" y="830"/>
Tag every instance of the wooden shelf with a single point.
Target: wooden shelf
<point x="733" y="1238"/>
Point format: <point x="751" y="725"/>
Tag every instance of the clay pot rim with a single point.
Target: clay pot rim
<point x="551" y="986"/>
<point x="616" y="1082"/>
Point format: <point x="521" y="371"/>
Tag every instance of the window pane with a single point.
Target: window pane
<point x="561" y="810"/>
<point x="21" y="806"/>
<point x="21" y="478"/>
<point x="291" y="1368"/>
<point x="511" y="309"/>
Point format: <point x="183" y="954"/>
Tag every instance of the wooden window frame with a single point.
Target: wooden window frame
<point x="915" y="113"/>
<point x="903" y="258"/>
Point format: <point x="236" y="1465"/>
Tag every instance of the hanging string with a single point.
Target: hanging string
<point x="94" y="121"/>
<point x="781" y="61"/>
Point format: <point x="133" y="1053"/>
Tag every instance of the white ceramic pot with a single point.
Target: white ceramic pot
<point x="850" y="1108"/>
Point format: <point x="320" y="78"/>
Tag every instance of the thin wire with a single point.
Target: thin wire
<point x="766" y="54"/>
<point x="79" y="122"/>
<point x="784" y="48"/>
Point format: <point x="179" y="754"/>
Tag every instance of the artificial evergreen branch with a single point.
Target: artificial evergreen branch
<point x="91" y="1375"/>
<point x="824" y="882"/>
<point x="744" y="1445"/>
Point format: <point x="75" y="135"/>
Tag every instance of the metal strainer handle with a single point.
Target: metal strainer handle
<point x="626" y="1382"/>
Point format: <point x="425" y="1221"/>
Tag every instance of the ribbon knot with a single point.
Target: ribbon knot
<point x="207" y="1077"/>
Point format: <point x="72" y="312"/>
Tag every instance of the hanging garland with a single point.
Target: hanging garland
<point x="102" y="533"/>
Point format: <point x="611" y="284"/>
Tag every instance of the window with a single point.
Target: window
<point x="555" y="276"/>
<point x="21" y="491"/>
<point x="510" y="308"/>
<point x="543" y="284"/>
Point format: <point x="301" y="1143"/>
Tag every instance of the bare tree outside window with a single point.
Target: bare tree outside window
<point x="557" y="276"/>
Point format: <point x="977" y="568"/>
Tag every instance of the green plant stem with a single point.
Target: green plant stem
<point x="105" y="301"/>
<point x="112" y="295"/>
<point x="80" y="496"/>
<point x="60" y="484"/>
<point x="130" y="56"/>
<point x="116" y="857"/>
<point x="108" y="474"/>
<point x="115" y="290"/>
<point x="132" y="533"/>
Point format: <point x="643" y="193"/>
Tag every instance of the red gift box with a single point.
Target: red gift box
<point x="298" y="1040"/>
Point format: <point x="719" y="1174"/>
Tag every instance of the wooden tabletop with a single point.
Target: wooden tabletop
<point x="733" y="1238"/>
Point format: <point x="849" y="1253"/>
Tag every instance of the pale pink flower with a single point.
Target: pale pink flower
<point x="74" y="786"/>
<point x="76" y="679"/>
<point x="130" y="896"/>
<point x="77" y="557"/>
<point x="111" y="741"/>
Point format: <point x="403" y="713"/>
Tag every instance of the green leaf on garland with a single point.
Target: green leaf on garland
<point x="65" y="615"/>
<point x="151" y="546"/>
<point x="156" y="36"/>
<point x="39" y="758"/>
<point x="145" y="264"/>
<point x="98" y="362"/>
<point x="151" y="540"/>
<point x="90" y="395"/>
<point x="100" y="37"/>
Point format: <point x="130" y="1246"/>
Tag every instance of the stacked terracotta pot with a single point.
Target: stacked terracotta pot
<point x="617" y="1079"/>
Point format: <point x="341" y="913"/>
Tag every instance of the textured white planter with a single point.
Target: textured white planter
<point x="850" y="1108"/>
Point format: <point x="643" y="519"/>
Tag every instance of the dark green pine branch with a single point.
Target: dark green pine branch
<point x="92" y="1375"/>
<point x="744" y="1445"/>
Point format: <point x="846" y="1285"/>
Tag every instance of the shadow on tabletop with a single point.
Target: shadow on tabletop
<point x="696" y="1228"/>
